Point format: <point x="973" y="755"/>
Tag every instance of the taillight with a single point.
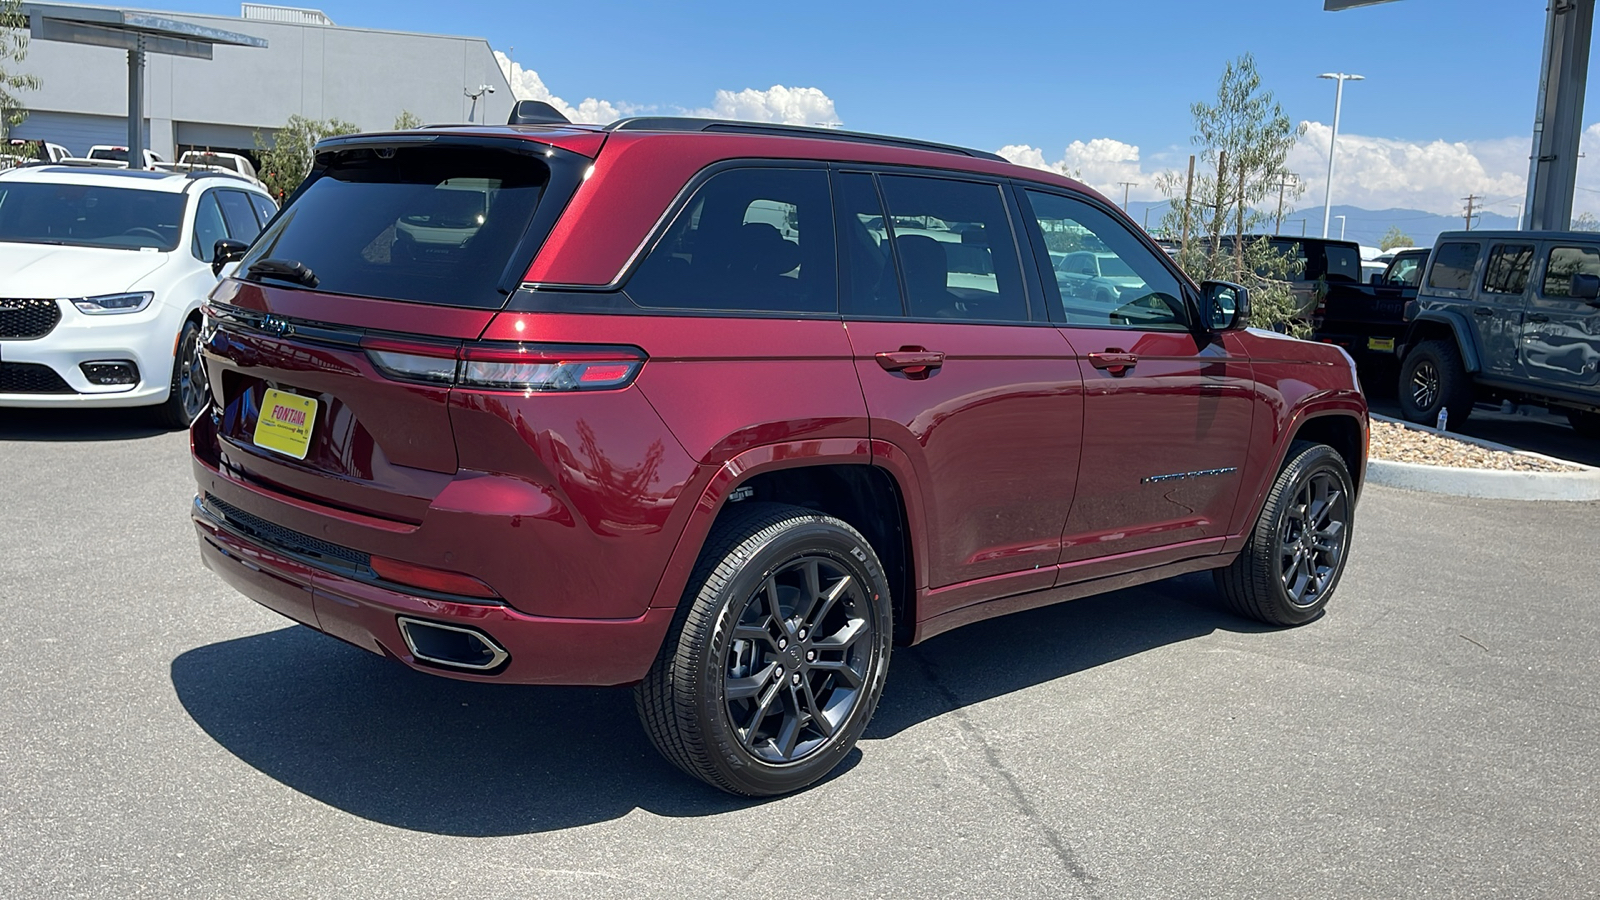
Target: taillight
<point x="430" y="579"/>
<point x="522" y="367"/>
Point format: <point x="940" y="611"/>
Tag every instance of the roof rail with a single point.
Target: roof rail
<point x="681" y="123"/>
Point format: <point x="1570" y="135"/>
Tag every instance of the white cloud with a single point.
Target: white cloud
<point x="788" y="105"/>
<point x="1102" y="163"/>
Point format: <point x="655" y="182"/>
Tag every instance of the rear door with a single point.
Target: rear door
<point x="1167" y="414"/>
<point x="1560" y="333"/>
<point x="1497" y="309"/>
<point x="963" y="374"/>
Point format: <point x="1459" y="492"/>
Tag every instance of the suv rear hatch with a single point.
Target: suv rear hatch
<point x="333" y="349"/>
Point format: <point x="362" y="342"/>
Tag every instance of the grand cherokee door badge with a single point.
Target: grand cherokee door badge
<point x="1179" y="476"/>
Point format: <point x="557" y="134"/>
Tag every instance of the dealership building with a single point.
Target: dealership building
<point x="272" y="62"/>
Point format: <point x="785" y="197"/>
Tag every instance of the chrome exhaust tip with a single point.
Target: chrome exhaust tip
<point x="451" y="646"/>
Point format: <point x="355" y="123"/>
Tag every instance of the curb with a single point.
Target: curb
<point x="1486" y="484"/>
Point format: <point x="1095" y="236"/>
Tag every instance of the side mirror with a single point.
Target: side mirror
<point x="226" y="251"/>
<point x="1376" y="279"/>
<point x="1585" y="286"/>
<point x="1224" y="306"/>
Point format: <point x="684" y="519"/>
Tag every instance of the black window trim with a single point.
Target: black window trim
<point x="1053" y="302"/>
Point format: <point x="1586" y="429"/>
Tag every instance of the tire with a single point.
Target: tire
<point x="1258" y="584"/>
<point x="1586" y="424"/>
<point x="755" y="703"/>
<point x="1433" y="378"/>
<point x="187" y="396"/>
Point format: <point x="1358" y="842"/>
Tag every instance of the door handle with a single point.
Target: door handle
<point x="912" y="362"/>
<point x="1483" y="311"/>
<point x="1536" y="317"/>
<point x="1115" y="361"/>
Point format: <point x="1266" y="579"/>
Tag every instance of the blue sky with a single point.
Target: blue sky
<point x="1044" y="75"/>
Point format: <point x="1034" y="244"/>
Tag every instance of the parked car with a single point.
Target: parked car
<point x="23" y="152"/>
<point x="112" y="154"/>
<point x="1368" y="320"/>
<point x="1506" y="315"/>
<point x="726" y="423"/>
<point x="195" y="160"/>
<point x="1320" y="261"/>
<point x="103" y="272"/>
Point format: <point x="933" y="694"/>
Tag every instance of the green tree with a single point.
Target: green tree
<point x="1394" y="237"/>
<point x="287" y="161"/>
<point x="1244" y="139"/>
<point x="13" y="48"/>
<point x="407" y="120"/>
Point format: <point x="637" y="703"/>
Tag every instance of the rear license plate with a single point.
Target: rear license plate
<point x="285" y="423"/>
<point x="1384" y="344"/>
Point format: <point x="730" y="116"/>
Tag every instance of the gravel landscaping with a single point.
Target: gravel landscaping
<point x="1397" y="443"/>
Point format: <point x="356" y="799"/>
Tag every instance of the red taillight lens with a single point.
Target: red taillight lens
<point x="430" y="579"/>
<point x="507" y="367"/>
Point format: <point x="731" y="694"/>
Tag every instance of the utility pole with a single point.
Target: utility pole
<point x="1238" y="232"/>
<point x="1188" y="192"/>
<point x="1284" y="181"/>
<point x="1126" y="185"/>
<point x="1302" y="227"/>
<point x="1471" y="199"/>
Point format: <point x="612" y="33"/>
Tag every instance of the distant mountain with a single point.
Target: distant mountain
<point x="1364" y="226"/>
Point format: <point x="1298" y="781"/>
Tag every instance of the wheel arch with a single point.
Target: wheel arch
<point x="1439" y="324"/>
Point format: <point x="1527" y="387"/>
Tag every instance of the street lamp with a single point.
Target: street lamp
<point x="489" y="89"/>
<point x="1333" y="143"/>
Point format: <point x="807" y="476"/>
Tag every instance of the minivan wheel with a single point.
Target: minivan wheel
<point x="1433" y="378"/>
<point x="188" y="394"/>
<point x="1297" y="550"/>
<point x="777" y="657"/>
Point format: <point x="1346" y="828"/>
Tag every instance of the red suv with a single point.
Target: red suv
<point x="725" y="411"/>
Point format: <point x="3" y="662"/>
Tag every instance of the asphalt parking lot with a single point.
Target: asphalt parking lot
<point x="1436" y="734"/>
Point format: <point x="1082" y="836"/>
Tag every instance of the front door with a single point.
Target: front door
<point x="1167" y="414"/>
<point x="1561" y="334"/>
<point x="962" y="375"/>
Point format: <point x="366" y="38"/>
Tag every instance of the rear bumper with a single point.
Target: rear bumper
<point x="542" y="650"/>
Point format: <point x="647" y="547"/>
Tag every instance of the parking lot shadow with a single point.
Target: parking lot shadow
<point x="77" y="425"/>
<point x="370" y="737"/>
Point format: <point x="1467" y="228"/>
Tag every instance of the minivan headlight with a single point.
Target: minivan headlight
<point x="112" y="304"/>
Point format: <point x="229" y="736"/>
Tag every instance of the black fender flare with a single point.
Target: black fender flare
<point x="1458" y="325"/>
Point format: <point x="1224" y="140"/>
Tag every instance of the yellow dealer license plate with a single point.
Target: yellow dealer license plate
<point x="285" y="423"/>
<point x="1384" y="344"/>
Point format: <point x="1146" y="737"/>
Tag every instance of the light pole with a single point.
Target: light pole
<point x="1333" y="143"/>
<point x="489" y="89"/>
<point x="1341" y="226"/>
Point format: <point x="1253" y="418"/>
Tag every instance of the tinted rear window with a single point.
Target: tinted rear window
<point x="1343" y="263"/>
<point x="1452" y="267"/>
<point x="433" y="225"/>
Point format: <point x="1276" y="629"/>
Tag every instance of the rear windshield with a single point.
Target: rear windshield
<point x="82" y="216"/>
<point x="1343" y="263"/>
<point x="433" y="225"/>
<point x="120" y="154"/>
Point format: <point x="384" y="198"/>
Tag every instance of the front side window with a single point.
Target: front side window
<point x="1565" y="262"/>
<point x="1406" y="271"/>
<point x="1453" y="265"/>
<point x="82" y="216"/>
<point x="209" y="227"/>
<point x="241" y="219"/>
<point x="1106" y="276"/>
<point x="1507" y="271"/>
<point x="752" y="240"/>
<point x="957" y="253"/>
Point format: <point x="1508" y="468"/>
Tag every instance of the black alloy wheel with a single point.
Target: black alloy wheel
<point x="776" y="659"/>
<point x="1433" y="378"/>
<point x="190" y="389"/>
<point x="1297" y="550"/>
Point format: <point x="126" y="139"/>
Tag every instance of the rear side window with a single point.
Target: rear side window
<point x="750" y="240"/>
<point x="867" y="286"/>
<point x="1342" y="263"/>
<point x="957" y="253"/>
<point x="1452" y="266"/>
<point x="1507" y="272"/>
<point x="435" y="224"/>
<point x="241" y="219"/>
<point x="1565" y="262"/>
<point x="264" y="208"/>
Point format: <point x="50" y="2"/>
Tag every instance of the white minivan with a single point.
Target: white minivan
<point x="102" y="273"/>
